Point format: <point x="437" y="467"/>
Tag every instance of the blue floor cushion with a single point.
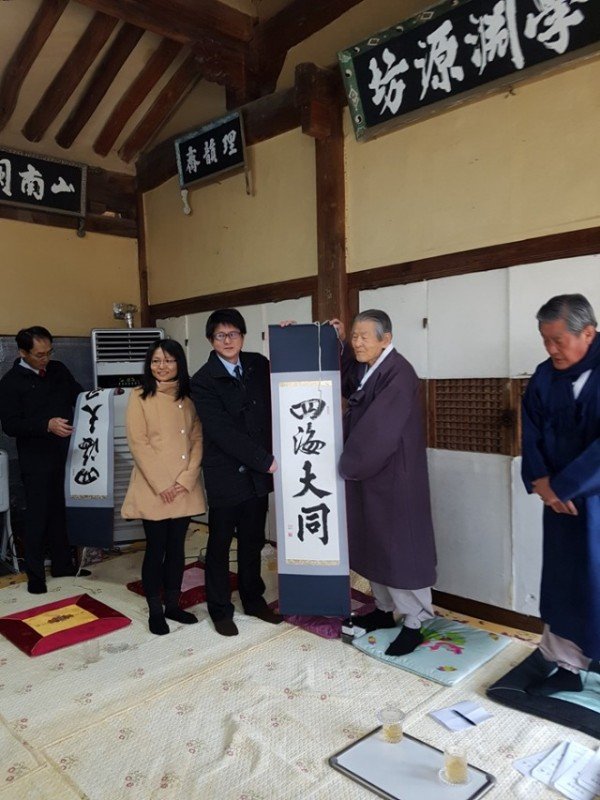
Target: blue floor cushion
<point x="450" y="652"/>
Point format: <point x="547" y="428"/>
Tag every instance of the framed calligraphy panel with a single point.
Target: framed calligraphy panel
<point x="43" y="183"/>
<point x="461" y="49"/>
<point x="212" y="150"/>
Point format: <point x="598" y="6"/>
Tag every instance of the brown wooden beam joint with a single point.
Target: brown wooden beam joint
<point x="319" y="98"/>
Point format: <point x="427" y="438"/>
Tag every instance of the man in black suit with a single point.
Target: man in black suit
<point x="37" y="396"/>
<point x="233" y="399"/>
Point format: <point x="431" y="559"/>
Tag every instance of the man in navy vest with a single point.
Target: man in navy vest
<point x="37" y="397"/>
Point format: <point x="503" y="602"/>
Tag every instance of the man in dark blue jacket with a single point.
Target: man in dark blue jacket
<point x="233" y="399"/>
<point x="37" y="396"/>
<point x="561" y="464"/>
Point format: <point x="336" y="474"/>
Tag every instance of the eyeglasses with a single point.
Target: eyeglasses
<point x="233" y="335"/>
<point x="160" y="362"/>
<point x="41" y="356"/>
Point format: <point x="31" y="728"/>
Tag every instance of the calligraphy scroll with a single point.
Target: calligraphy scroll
<point x="310" y="500"/>
<point x="90" y="469"/>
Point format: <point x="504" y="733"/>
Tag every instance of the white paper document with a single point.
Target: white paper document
<point x="590" y="775"/>
<point x="568" y="784"/>
<point x="461" y="716"/>
<point x="559" y="762"/>
<point x="527" y="764"/>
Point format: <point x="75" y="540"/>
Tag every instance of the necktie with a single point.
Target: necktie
<point x="238" y="372"/>
<point x="42" y="373"/>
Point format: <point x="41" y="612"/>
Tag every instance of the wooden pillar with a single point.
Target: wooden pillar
<point x="319" y="97"/>
<point x="145" y="320"/>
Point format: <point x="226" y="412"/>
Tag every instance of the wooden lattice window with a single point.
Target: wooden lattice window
<point x="472" y="414"/>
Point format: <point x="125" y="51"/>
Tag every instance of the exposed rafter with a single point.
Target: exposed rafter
<point x="290" y="26"/>
<point x="69" y="76"/>
<point x="162" y="108"/>
<point x="184" y="21"/>
<point x="114" y="58"/>
<point x="158" y="63"/>
<point x="26" y="53"/>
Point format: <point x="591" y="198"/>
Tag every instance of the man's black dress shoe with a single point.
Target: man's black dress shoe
<point x="36" y="586"/>
<point x="226" y="627"/>
<point x="267" y="615"/>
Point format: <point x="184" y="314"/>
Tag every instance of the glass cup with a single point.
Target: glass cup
<point x="391" y="719"/>
<point x="91" y="651"/>
<point x="455" y="769"/>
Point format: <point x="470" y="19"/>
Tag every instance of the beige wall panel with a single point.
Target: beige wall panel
<point x="231" y="240"/>
<point x="53" y="278"/>
<point x="506" y="168"/>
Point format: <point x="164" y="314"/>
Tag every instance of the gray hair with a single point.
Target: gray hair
<point x="383" y="324"/>
<point x="574" y="309"/>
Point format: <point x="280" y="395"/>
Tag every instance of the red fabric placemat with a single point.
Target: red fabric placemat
<point x="329" y="627"/>
<point x="65" y="622"/>
<point x="193" y="590"/>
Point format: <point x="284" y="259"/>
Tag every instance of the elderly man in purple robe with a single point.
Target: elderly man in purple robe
<point x="561" y="464"/>
<point x="384" y="463"/>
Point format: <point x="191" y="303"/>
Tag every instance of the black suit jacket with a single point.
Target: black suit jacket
<point x="236" y="429"/>
<point x="27" y="403"/>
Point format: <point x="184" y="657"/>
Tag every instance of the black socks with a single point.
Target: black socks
<point x="156" y="620"/>
<point x="407" y="640"/>
<point x="179" y="615"/>
<point x="158" y="624"/>
<point x="172" y="610"/>
<point x="375" y="620"/>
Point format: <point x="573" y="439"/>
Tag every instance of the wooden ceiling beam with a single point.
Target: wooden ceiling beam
<point x="185" y="21"/>
<point x="111" y="191"/>
<point x="319" y="96"/>
<point x="69" y="76"/>
<point x="158" y="63"/>
<point x="114" y="58"/>
<point x="25" y="54"/>
<point x="94" y="223"/>
<point x="290" y="26"/>
<point x="162" y="108"/>
<point x="224" y="65"/>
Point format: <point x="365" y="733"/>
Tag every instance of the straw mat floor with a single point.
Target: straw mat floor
<point x="196" y="716"/>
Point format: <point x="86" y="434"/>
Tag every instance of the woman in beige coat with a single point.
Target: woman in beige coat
<point x="165" y="439"/>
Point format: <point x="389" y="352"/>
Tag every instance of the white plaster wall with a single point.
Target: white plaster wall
<point x="258" y="317"/>
<point x="527" y="544"/>
<point x="472" y="521"/>
<point x="468" y="326"/>
<point x="198" y="346"/>
<point x="175" y="328"/>
<point x="407" y="308"/>
<point x="529" y="287"/>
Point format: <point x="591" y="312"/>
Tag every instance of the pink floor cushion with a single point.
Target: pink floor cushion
<point x="65" y="622"/>
<point x="193" y="590"/>
<point x="330" y="627"/>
